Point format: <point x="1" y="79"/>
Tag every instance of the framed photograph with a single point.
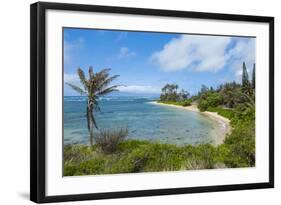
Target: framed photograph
<point x="129" y="102"/>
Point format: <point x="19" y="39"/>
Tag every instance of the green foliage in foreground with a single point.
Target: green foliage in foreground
<point x="139" y="156"/>
<point x="131" y="156"/>
<point x="238" y="149"/>
<point x="184" y="103"/>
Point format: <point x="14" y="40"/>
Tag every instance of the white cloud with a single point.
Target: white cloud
<point x="69" y="47"/>
<point x="71" y="78"/>
<point x="199" y="53"/>
<point x="125" y="52"/>
<point x="203" y="53"/>
<point x="140" y="89"/>
<point x="147" y="89"/>
<point x="243" y="51"/>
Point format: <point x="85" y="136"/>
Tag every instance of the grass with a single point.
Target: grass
<point x="228" y="113"/>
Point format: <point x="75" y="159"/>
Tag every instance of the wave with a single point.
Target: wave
<point x="75" y="98"/>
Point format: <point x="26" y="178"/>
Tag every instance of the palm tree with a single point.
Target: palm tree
<point x="94" y="87"/>
<point x="164" y="89"/>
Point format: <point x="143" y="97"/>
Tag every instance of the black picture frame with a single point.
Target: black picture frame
<point x="38" y="103"/>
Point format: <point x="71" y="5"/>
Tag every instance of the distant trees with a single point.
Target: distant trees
<point x="170" y="93"/>
<point x="183" y="95"/>
<point x="228" y="95"/>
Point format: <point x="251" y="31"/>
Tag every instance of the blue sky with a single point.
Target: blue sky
<point x="147" y="61"/>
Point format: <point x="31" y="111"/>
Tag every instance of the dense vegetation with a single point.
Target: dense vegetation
<point x="237" y="103"/>
<point x="139" y="156"/>
<point x="112" y="153"/>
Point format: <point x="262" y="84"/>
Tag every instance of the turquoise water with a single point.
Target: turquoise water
<point x="143" y="119"/>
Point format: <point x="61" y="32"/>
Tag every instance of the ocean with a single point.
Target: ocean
<point x="144" y="120"/>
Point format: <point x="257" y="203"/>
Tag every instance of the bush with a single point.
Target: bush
<point x="241" y="145"/>
<point x="142" y="156"/>
<point x="76" y="154"/>
<point x="95" y="165"/>
<point x="203" y="105"/>
<point x="243" y="114"/>
<point x="186" y="102"/>
<point x="209" y="99"/>
<point x="108" y="140"/>
<point x="203" y="156"/>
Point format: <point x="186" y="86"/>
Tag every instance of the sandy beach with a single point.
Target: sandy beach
<point x="222" y="125"/>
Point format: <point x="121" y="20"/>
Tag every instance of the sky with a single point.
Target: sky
<point x="146" y="61"/>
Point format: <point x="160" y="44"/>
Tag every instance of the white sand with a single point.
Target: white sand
<point x="222" y="126"/>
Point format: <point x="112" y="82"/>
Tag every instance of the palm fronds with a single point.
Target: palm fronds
<point x="82" y="78"/>
<point x="91" y="72"/>
<point x="106" y="82"/>
<point x="108" y="90"/>
<point x="77" y="89"/>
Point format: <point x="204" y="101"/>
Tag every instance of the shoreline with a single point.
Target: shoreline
<point x="222" y="124"/>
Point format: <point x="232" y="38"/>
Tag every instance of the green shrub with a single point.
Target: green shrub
<point x="209" y="99"/>
<point x="203" y="156"/>
<point x="77" y="153"/>
<point x="241" y="146"/>
<point x="163" y="157"/>
<point x="243" y="114"/>
<point x="203" y="105"/>
<point x="149" y="156"/>
<point x="129" y="145"/>
<point x="186" y="102"/>
<point x="89" y="167"/>
<point x="133" y="161"/>
<point x="70" y="170"/>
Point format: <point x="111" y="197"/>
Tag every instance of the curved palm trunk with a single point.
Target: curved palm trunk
<point x="90" y="121"/>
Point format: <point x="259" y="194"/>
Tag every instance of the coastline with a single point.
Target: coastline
<point x="222" y="125"/>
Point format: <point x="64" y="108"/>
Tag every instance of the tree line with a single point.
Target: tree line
<point x="227" y="95"/>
